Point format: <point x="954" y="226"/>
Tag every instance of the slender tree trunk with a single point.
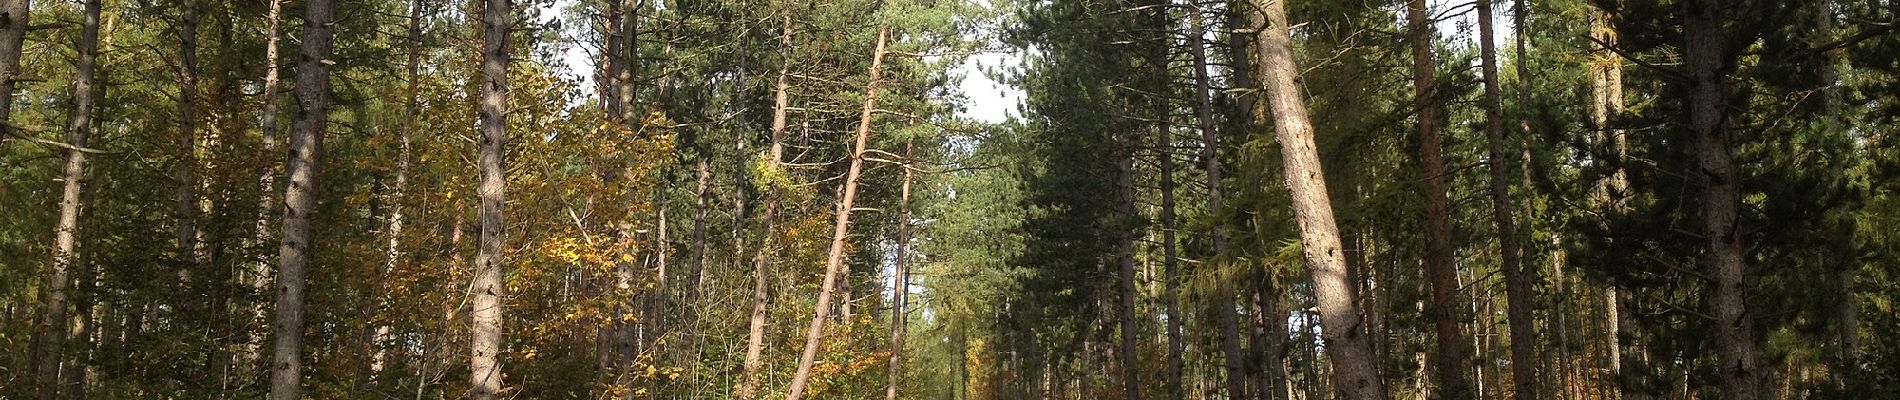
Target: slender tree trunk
<point x="1517" y="281"/>
<point x="13" y="24"/>
<point x="834" y="262"/>
<point x="900" y="289"/>
<point x="484" y="369"/>
<point x="1720" y="181"/>
<point x="762" y="259"/>
<point x="1449" y="364"/>
<point x="1833" y="101"/>
<point x="1125" y="261"/>
<point x="300" y="196"/>
<point x="187" y="205"/>
<point x="1354" y="368"/>
<point x="52" y="326"/>
<point x="1210" y="157"/>
<point x="268" y="157"/>
<point x="1606" y="93"/>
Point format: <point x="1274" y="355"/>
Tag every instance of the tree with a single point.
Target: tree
<point x="1449" y="364"/>
<point x="12" y="44"/>
<point x="1720" y="183"/>
<point x="1355" y="372"/>
<point x="51" y="333"/>
<point x="834" y="262"/>
<point x="300" y="198"/>
<point x="1517" y="281"/>
<point x="484" y="370"/>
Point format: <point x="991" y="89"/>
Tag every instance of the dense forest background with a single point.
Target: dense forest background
<point x="713" y="199"/>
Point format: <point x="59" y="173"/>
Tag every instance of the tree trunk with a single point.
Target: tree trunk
<point x="484" y="370"/>
<point x="1125" y="261"/>
<point x="411" y="107"/>
<point x="1453" y="355"/>
<point x="900" y="289"/>
<point x="268" y="158"/>
<point x="834" y="262"/>
<point x="186" y="173"/>
<point x="1517" y="281"/>
<point x="762" y="259"/>
<point x="300" y="201"/>
<point x="1715" y="172"/>
<point x="1354" y="369"/>
<point x="1210" y="158"/>
<point x="13" y="24"/>
<point x="52" y="325"/>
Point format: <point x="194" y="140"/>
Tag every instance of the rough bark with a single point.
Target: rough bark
<point x="834" y="261"/>
<point x="900" y="290"/>
<point x="13" y="23"/>
<point x="762" y="259"/>
<point x="1355" y="371"/>
<point x="1449" y="363"/>
<point x="484" y="370"/>
<point x="51" y="331"/>
<point x="1716" y="174"/>
<point x="300" y="195"/>
<point x="1517" y="281"/>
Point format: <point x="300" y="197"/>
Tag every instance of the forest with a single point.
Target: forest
<point x="950" y="199"/>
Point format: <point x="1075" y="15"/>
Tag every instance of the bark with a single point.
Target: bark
<point x="52" y="325"/>
<point x="484" y="369"/>
<point x="1453" y="354"/>
<point x="762" y="259"/>
<point x="300" y="196"/>
<point x="1715" y="172"/>
<point x="1517" y="280"/>
<point x="834" y="261"/>
<point x="1355" y="371"/>
<point x="1270" y="344"/>
<point x="1833" y="101"/>
<point x="1606" y="92"/>
<point x="900" y="290"/>
<point x="13" y="23"/>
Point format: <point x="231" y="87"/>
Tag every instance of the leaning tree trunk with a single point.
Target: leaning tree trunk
<point x="1517" y="281"/>
<point x="1715" y="172"/>
<point x="762" y="259"/>
<point x="13" y="23"/>
<point x="485" y="341"/>
<point x="300" y="201"/>
<point x="51" y="330"/>
<point x="1355" y="371"/>
<point x="834" y="262"/>
<point x="1449" y="364"/>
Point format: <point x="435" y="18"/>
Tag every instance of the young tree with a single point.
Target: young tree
<point x="1355" y="371"/>
<point x="762" y="258"/>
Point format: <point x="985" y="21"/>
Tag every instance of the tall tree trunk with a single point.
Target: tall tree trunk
<point x="1126" y="145"/>
<point x="1210" y="162"/>
<point x="186" y="173"/>
<point x="1715" y="172"/>
<point x="1354" y="368"/>
<point x="484" y="370"/>
<point x="1453" y="354"/>
<point x="1606" y="93"/>
<point x="13" y="24"/>
<point x="834" y="261"/>
<point x="1833" y="101"/>
<point x="1517" y="281"/>
<point x="52" y="325"/>
<point x="300" y="196"/>
<point x="900" y="288"/>
<point x="762" y="259"/>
